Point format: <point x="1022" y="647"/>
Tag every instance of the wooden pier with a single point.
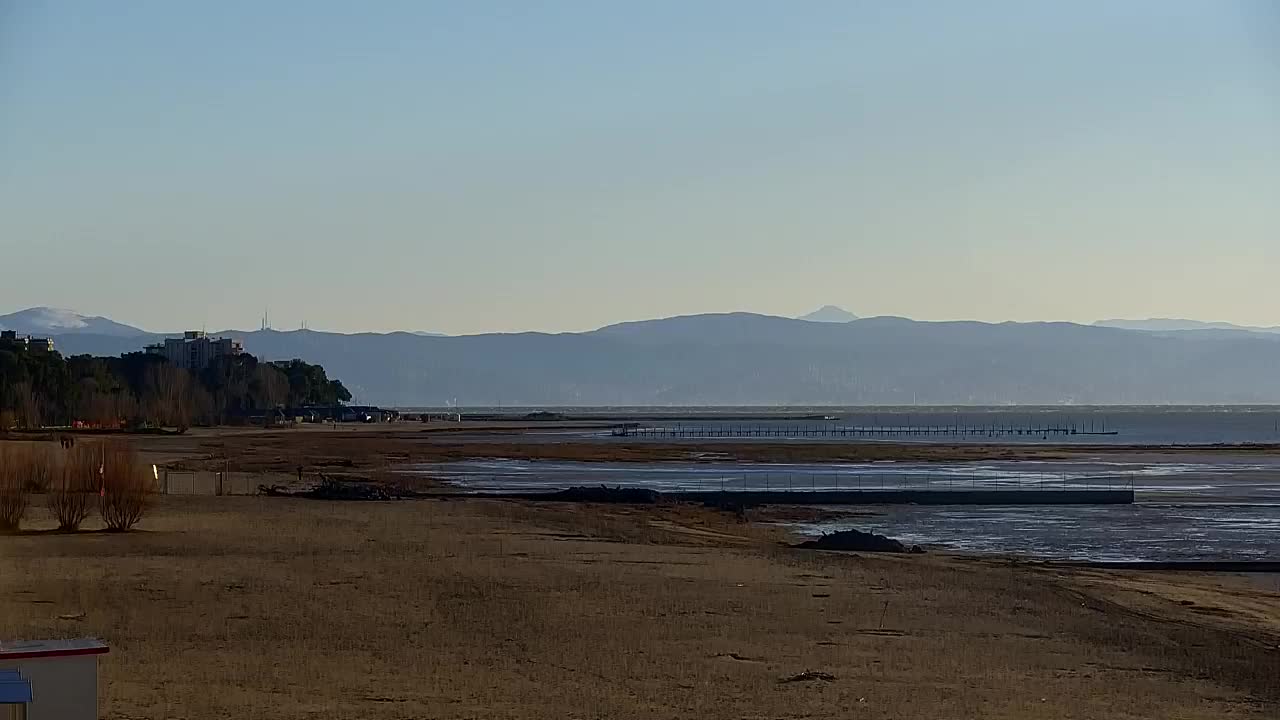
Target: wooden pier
<point x="729" y="430"/>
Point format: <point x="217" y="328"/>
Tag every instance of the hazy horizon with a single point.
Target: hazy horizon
<point x="1123" y="323"/>
<point x="496" y="167"/>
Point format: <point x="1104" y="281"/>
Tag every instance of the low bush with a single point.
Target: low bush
<point x="15" y="487"/>
<point x="73" y="487"/>
<point x="126" y="486"/>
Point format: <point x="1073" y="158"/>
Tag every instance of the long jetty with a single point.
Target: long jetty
<point x="729" y="430"/>
<point x="1118" y="496"/>
<point x="625" y="495"/>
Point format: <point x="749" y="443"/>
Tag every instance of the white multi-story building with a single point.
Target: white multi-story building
<point x="12" y="340"/>
<point x="195" y="350"/>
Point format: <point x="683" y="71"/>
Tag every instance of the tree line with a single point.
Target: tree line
<point x="139" y="389"/>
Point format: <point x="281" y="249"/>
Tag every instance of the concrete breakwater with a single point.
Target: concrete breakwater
<point x="1102" y="496"/>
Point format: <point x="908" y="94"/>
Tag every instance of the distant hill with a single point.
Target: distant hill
<point x="1179" y="325"/>
<point x="746" y="359"/>
<point x="829" y="314"/>
<point x="749" y="359"/>
<point x="55" y="321"/>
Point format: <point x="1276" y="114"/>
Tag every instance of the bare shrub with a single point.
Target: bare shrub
<point x="15" y="492"/>
<point x="39" y="470"/>
<point x="126" y="486"/>
<point x="71" y="491"/>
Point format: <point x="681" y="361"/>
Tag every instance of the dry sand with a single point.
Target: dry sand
<point x="268" y="607"/>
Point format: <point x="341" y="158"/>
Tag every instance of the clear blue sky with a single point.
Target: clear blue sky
<point x="477" y="166"/>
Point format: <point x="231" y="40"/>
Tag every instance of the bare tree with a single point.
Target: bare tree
<point x="168" y="396"/>
<point x="98" y="408"/>
<point x="26" y="406"/>
<point x="268" y="387"/>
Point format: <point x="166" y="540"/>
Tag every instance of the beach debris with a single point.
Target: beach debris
<point x="739" y="657"/>
<point x="809" y="676"/>
<point x="330" y="489"/>
<point x="726" y="504"/>
<point x="858" y="541"/>
<point x="545" y="415"/>
<point x="607" y="494"/>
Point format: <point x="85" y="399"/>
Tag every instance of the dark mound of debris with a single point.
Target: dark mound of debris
<point x="808" y="676"/>
<point x="859" y="541"/>
<point x="606" y="494"/>
<point x="545" y="415"/>
<point x="726" y="503"/>
<point x="330" y="489"/>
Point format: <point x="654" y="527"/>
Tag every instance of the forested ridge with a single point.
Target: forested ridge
<point x="138" y="389"/>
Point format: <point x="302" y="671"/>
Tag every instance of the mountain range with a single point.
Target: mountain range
<point x="1181" y="325"/>
<point x="749" y="359"/>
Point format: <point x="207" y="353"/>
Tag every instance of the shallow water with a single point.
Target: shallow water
<point x="1143" y="531"/>
<point x="1219" y="480"/>
<point x="1224" y="509"/>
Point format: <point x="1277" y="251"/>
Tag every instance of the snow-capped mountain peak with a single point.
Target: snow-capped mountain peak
<point x="59" y="321"/>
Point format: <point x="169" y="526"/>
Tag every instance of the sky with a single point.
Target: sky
<point x="497" y="166"/>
